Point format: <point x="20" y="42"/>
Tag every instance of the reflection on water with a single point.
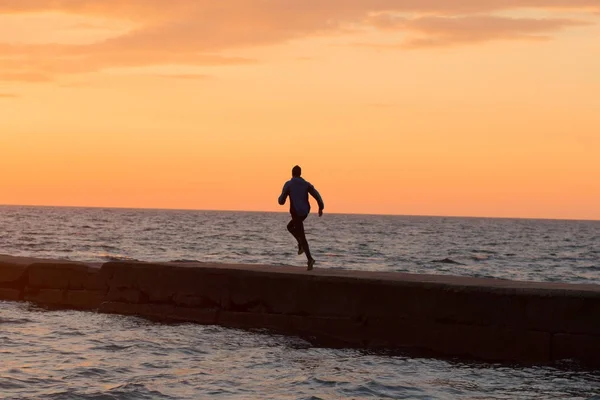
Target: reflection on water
<point x="80" y="355"/>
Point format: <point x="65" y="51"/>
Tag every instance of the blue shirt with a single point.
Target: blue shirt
<point x="298" y="189"/>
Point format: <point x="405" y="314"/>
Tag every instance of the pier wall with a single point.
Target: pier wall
<point x="472" y="318"/>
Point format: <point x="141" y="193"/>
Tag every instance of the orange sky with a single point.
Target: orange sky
<point x="428" y="107"/>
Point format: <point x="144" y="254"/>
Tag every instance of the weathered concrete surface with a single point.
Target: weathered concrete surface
<point x="73" y="276"/>
<point x="584" y="348"/>
<point x="485" y="319"/>
<point x="10" y="294"/>
<point x="12" y="271"/>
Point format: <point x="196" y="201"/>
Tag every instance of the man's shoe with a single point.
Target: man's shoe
<point x="311" y="262"/>
<point x="300" y="249"/>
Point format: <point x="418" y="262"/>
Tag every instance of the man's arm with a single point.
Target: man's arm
<point x="284" y="193"/>
<point x="313" y="192"/>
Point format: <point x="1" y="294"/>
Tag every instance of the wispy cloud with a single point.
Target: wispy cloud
<point x="8" y="95"/>
<point x="185" y="76"/>
<point x="208" y="32"/>
<point x="447" y="31"/>
<point x="40" y="63"/>
<point x="24" y="77"/>
<point x="158" y="10"/>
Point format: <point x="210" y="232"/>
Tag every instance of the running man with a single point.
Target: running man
<point x="298" y="189"/>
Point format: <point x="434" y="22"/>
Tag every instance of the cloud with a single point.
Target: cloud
<point x="45" y="61"/>
<point x="156" y="9"/>
<point x="185" y="76"/>
<point x="208" y="32"/>
<point x="448" y="31"/>
<point x="485" y="28"/>
<point x="8" y="95"/>
<point x="24" y="77"/>
<point x="76" y="84"/>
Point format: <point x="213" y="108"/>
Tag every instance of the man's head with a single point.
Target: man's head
<point x="296" y="171"/>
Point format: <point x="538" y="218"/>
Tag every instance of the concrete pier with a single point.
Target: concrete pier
<point x="471" y="318"/>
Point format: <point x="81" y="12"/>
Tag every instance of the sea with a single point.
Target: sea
<point x="49" y="354"/>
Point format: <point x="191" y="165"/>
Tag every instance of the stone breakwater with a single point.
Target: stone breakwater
<point x="472" y="318"/>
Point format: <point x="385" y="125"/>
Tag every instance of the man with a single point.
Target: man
<point x="298" y="189"/>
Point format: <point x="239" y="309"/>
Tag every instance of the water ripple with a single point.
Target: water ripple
<point x="536" y="250"/>
<point x="77" y="355"/>
<point x="120" y="357"/>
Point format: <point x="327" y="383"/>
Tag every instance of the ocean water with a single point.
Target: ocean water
<point x="83" y="355"/>
<point x="519" y="249"/>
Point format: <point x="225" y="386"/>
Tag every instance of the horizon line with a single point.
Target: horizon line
<point x="285" y="212"/>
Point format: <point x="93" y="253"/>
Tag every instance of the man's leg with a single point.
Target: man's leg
<point x="291" y="227"/>
<point x="301" y="236"/>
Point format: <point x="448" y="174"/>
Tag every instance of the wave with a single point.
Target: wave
<point x="447" y="261"/>
<point x="14" y="321"/>
<point x="109" y="257"/>
<point x="485" y="251"/>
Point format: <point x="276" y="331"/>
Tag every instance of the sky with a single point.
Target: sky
<point x="412" y="107"/>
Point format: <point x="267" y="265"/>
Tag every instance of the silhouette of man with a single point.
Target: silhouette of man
<point x="298" y="189"/>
